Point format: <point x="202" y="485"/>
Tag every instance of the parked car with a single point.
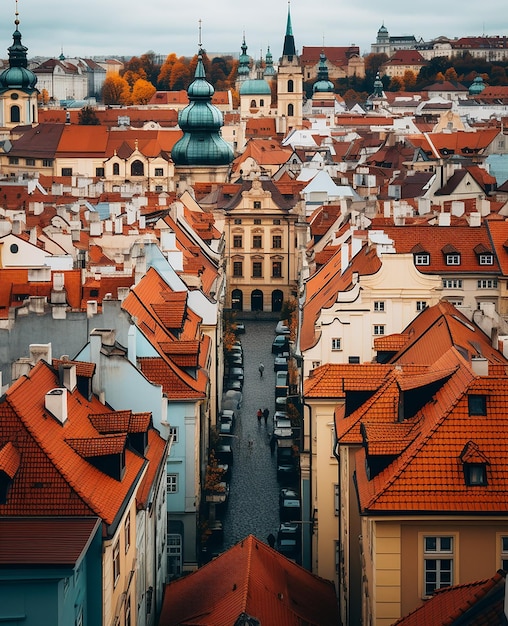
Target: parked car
<point x="236" y="373"/>
<point x="239" y="328"/>
<point x="225" y="428"/>
<point x="280" y="344"/>
<point x="280" y="363"/>
<point x="287" y="463"/>
<point x="288" y="541"/>
<point x="282" y="428"/>
<point x="281" y="383"/>
<point x="282" y="328"/>
<point x="224" y="453"/>
<point x="235" y="385"/>
<point x="289" y="505"/>
<point x="228" y="415"/>
<point x="232" y="400"/>
<point x="281" y="403"/>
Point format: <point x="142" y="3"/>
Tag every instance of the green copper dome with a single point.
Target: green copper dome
<point x="323" y="84"/>
<point x="17" y="76"/>
<point x="269" y="69"/>
<point x="201" y="122"/>
<point x="477" y="86"/>
<point x="255" y="87"/>
<point x="243" y="61"/>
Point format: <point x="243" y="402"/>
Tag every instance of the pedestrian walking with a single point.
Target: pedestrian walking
<point x="273" y="443"/>
<point x="266" y="413"/>
<point x="261" y="369"/>
<point x="260" y="415"/>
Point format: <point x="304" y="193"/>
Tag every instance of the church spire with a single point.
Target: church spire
<point x="289" y="49"/>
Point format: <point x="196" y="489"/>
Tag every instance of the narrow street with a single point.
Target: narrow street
<point x="253" y="500"/>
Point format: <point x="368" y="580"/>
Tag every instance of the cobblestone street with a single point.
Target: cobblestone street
<point x="253" y="501"/>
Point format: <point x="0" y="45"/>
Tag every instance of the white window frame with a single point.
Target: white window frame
<point x="172" y="483"/>
<point x="421" y="305"/>
<point x="453" y="259"/>
<point x="174" y="551"/>
<point x="173" y="431"/>
<point x="452" y="283"/>
<point x="503" y="551"/>
<point x="379" y="306"/>
<point x="336" y="344"/>
<point x="116" y="562"/>
<point x="127" y="532"/>
<point x="440" y="555"/>
<point x="486" y="259"/>
<point x="422" y="259"/>
<point x="487" y="283"/>
<point x="379" y="330"/>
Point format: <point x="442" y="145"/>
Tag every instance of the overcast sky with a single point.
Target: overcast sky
<point x="88" y="28"/>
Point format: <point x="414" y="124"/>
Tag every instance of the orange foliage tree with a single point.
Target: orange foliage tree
<point x="115" y="90"/>
<point x="142" y="91"/>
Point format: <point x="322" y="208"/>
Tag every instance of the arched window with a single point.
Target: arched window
<point x="116" y="169"/>
<point x="291" y="86"/>
<point x="277" y="298"/>
<point x="15" y="113"/>
<point x="137" y="168"/>
<point x="237" y="300"/>
<point x="252" y="104"/>
<point x="291" y="109"/>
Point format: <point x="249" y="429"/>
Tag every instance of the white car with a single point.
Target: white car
<point x="282" y="328"/>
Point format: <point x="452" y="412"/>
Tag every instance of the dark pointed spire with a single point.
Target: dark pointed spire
<point x="289" y="49"/>
<point x="17" y="52"/>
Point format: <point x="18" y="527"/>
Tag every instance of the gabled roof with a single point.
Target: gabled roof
<point x="53" y="478"/>
<point x="264" y="152"/>
<point x="250" y="578"/>
<point x="478" y="603"/>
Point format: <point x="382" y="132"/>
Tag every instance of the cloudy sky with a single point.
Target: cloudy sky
<point x="131" y="27"/>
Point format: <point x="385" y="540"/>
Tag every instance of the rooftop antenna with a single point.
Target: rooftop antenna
<point x="16" y="21"/>
<point x="200" y="40"/>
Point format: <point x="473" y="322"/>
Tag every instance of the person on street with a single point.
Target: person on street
<point x="259" y="415"/>
<point x="261" y="369"/>
<point x="266" y="413"/>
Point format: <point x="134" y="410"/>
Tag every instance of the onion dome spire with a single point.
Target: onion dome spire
<point x="17" y="75"/>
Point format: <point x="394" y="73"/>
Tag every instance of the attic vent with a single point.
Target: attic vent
<point x="55" y="402"/>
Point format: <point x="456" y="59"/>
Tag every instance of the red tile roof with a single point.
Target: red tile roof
<point x="478" y="603"/>
<point x="57" y="541"/>
<point x="254" y="579"/>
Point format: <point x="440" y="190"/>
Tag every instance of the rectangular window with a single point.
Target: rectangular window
<point x="487" y="283"/>
<point x="237" y="241"/>
<point x="158" y="188"/>
<point x="486" y="259"/>
<point x="173" y="432"/>
<point x="452" y="283"/>
<point x="172" y="483"/>
<point x="476" y="474"/>
<point x="315" y="364"/>
<point x="116" y="563"/>
<point x="237" y="221"/>
<point x="257" y="241"/>
<point x="354" y="360"/>
<point x="257" y="204"/>
<point x="379" y="329"/>
<point x="276" y="222"/>
<point x="276" y="269"/>
<point x="453" y="259"/>
<point x="422" y="259"/>
<point x="66" y="171"/>
<point x="99" y="171"/>
<point x="420" y="305"/>
<point x="257" y="222"/>
<point x="237" y="268"/>
<point x="30" y="161"/>
<point x="336" y="343"/>
<point x="174" y="554"/>
<point x="47" y="162"/>
<point x="257" y="269"/>
<point x="13" y="160"/>
<point x="438" y="563"/>
<point x="159" y="171"/>
<point x="504" y="553"/>
<point x="336" y="499"/>
<point x="379" y="306"/>
<point x="127" y="532"/>
<point x="276" y="241"/>
<point x="477" y="404"/>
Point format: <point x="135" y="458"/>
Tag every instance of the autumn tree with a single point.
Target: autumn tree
<point x="164" y="77"/>
<point x="132" y="76"/>
<point x="142" y="91"/>
<point x="440" y="77"/>
<point x="409" y="79"/>
<point x="150" y="66"/>
<point x="43" y="96"/>
<point x="451" y="75"/>
<point x="115" y="90"/>
<point x="396" y="84"/>
<point x="180" y="76"/>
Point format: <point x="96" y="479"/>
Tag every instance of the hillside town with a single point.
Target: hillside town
<point x="140" y="240"/>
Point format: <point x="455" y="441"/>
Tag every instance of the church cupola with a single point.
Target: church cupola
<point x="323" y="84"/>
<point x="18" y="92"/>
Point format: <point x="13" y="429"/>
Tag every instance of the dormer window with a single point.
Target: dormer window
<point x="422" y="258"/>
<point x="474" y="464"/>
<point x="453" y="259"/>
<point x="486" y="259"/>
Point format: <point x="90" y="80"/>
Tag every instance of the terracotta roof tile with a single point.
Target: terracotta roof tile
<point x="9" y="459"/>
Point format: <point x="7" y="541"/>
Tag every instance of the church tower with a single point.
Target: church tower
<point x="290" y="83"/>
<point x="18" y="94"/>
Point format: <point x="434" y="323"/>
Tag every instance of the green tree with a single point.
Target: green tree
<point x="88" y="117"/>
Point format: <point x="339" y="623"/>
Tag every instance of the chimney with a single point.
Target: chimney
<point x="67" y="374"/>
<point x="480" y="365"/>
<point x="55" y="402"/>
<point x="40" y="351"/>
